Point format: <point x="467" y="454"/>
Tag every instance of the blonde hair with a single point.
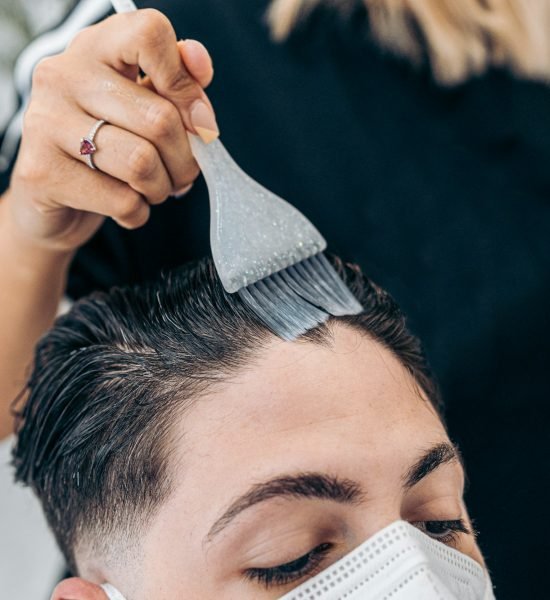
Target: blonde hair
<point x="460" y="38"/>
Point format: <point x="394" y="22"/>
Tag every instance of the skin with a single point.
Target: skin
<point x="348" y="409"/>
<point x="55" y="202"/>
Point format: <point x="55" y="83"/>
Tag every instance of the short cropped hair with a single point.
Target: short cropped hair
<point x="114" y="374"/>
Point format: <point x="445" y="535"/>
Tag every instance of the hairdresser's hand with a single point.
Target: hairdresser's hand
<point x="55" y="200"/>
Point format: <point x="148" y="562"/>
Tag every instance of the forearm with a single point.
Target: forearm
<point x="32" y="281"/>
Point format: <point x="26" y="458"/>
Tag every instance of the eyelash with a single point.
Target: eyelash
<point x="308" y="563"/>
<point x="283" y="574"/>
<point x="451" y="529"/>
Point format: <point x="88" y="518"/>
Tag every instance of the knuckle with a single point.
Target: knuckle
<point x="187" y="175"/>
<point x="158" y="192"/>
<point x="29" y="171"/>
<point x="80" y="39"/>
<point x="32" y="123"/>
<point x="45" y="72"/>
<point x="153" y="26"/>
<point x="127" y="206"/>
<point x="134" y="223"/>
<point x="158" y="196"/>
<point x="143" y="161"/>
<point x="137" y="219"/>
<point x="86" y="37"/>
<point x="34" y="163"/>
<point x="163" y="119"/>
<point x="191" y="172"/>
<point x="176" y="81"/>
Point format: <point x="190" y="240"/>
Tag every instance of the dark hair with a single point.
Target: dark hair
<point x="95" y="433"/>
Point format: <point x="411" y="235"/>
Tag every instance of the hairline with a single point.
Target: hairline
<point x="322" y="335"/>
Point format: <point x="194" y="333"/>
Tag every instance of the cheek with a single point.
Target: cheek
<point x="469" y="544"/>
<point x="471" y="549"/>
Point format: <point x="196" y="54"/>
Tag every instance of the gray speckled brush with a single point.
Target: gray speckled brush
<point x="263" y="248"/>
<point x="267" y="251"/>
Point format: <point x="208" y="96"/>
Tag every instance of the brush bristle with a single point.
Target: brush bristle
<point x="300" y="297"/>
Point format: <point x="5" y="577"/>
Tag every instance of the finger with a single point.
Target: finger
<point x="184" y="191"/>
<point x="122" y="155"/>
<point x="141" y="111"/>
<point x="81" y="188"/>
<point x="146" y="83"/>
<point x="147" y="39"/>
<point x="197" y="61"/>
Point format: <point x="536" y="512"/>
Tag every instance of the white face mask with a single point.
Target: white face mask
<point x="398" y="563"/>
<point x="112" y="592"/>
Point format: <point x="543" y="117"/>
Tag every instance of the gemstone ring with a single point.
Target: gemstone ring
<point x="87" y="146"/>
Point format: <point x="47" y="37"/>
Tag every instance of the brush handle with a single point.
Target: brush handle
<point x="253" y="232"/>
<point x="123" y="6"/>
<point x="205" y="158"/>
<point x="215" y="162"/>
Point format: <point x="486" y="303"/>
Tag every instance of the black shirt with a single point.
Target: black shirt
<point x="442" y="196"/>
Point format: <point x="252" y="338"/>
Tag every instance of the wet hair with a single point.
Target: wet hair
<point x="114" y="374"/>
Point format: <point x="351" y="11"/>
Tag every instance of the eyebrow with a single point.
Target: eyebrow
<point x="322" y="486"/>
<point x="304" y="485"/>
<point x="432" y="459"/>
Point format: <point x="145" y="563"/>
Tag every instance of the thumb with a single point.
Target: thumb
<point x="197" y="61"/>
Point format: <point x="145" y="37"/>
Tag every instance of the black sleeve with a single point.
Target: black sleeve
<point x="6" y="167"/>
<point x="177" y="232"/>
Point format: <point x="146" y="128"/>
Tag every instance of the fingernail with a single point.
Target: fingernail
<point x="183" y="191"/>
<point x="204" y="122"/>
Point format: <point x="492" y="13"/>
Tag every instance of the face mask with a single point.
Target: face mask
<point x="112" y="592"/>
<point x="399" y="563"/>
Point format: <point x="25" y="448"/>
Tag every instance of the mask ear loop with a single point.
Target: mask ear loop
<point x="112" y="592"/>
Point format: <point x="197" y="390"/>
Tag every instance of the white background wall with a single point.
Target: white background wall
<point x="29" y="560"/>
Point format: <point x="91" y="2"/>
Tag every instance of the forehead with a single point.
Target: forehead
<point x="347" y="408"/>
<point x="305" y="406"/>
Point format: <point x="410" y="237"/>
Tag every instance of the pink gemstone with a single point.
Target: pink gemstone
<point x="87" y="147"/>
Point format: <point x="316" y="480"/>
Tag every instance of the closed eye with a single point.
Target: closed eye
<point x="443" y="531"/>
<point x="306" y="565"/>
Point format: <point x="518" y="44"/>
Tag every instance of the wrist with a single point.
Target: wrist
<point x="28" y="253"/>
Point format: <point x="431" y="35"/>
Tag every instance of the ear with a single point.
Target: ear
<point x="78" y="589"/>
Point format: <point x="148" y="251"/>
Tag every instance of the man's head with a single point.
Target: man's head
<point x="181" y="450"/>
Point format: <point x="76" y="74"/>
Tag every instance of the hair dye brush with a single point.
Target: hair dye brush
<point x="264" y="249"/>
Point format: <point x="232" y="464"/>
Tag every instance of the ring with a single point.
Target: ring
<point x="87" y="146"/>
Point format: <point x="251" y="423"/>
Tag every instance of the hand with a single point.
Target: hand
<point x="55" y="200"/>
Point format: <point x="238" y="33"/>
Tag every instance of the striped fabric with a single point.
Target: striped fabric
<point x="52" y="42"/>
